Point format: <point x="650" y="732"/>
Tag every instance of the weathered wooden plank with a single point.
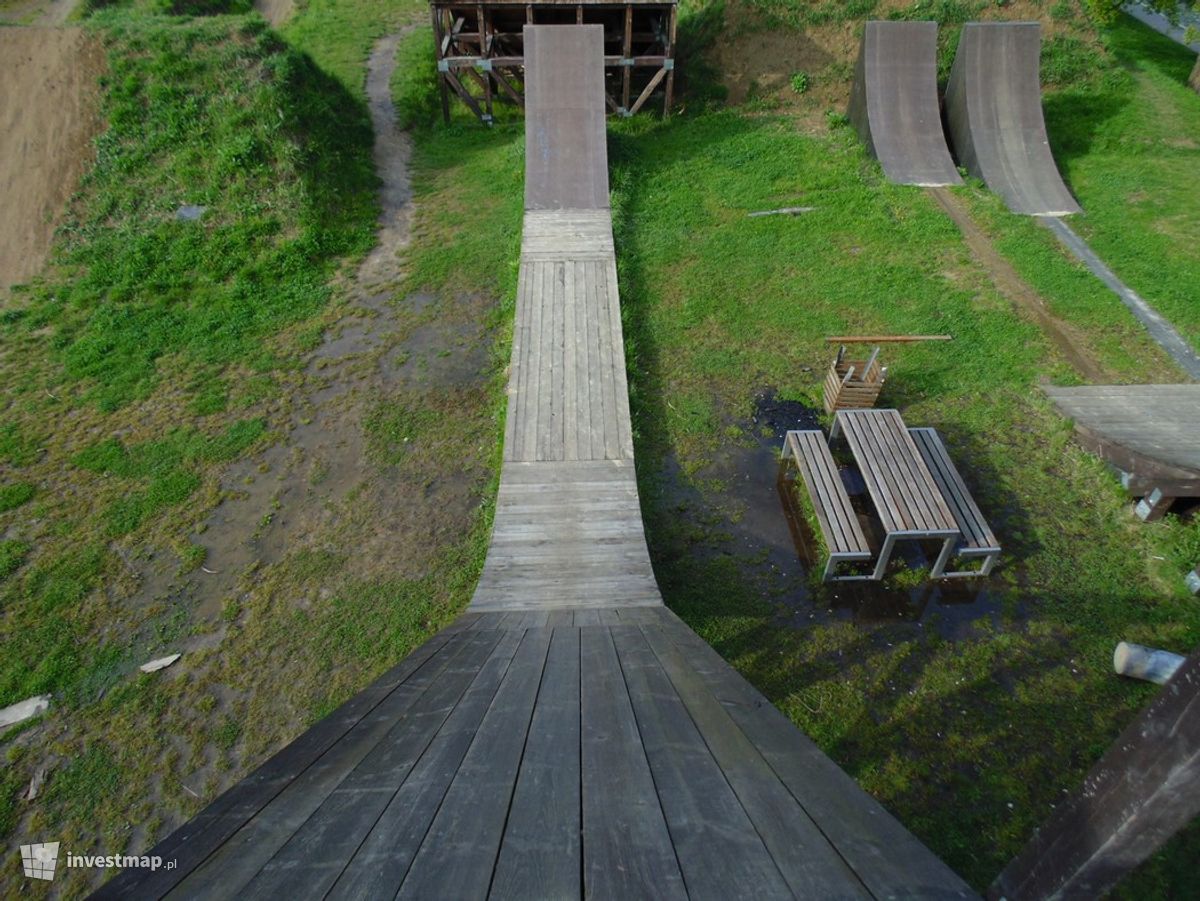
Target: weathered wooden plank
<point x="570" y="428"/>
<point x="237" y="861"/>
<point x="888" y="859"/>
<point x="459" y="852"/>
<point x="1140" y="793"/>
<point x="718" y="850"/>
<point x="811" y="866"/>
<point x="383" y="859"/>
<point x="313" y="857"/>
<point x="627" y="850"/>
<point x="540" y="855"/>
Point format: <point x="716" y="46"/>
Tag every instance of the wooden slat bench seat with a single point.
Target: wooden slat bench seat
<point x="977" y="537"/>
<point x="839" y="523"/>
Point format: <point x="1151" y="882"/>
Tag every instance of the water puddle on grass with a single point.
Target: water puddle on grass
<point x="746" y="502"/>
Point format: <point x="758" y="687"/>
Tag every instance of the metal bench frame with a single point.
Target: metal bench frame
<point x="966" y="512"/>
<point x="824" y="485"/>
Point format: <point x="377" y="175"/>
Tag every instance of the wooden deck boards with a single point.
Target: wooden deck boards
<point x="1159" y="422"/>
<point x="614" y="759"/>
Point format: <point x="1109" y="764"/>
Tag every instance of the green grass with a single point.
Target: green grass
<point x="15" y="494"/>
<point x="1129" y="147"/>
<point x="968" y="742"/>
<point x="220" y="113"/>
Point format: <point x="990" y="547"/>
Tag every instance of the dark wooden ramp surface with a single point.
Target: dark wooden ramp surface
<point x="994" y="110"/>
<point x="1153" y="430"/>
<point x="551" y="754"/>
<point x="894" y="103"/>
<point x="566" y="164"/>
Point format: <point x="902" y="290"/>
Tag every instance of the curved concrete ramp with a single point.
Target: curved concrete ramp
<point x="994" y="108"/>
<point x="894" y="103"/>
<point x="568" y="525"/>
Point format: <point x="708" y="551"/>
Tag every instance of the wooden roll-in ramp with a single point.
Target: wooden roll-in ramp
<point x="894" y="103"/>
<point x="994" y="112"/>
<point x="587" y="746"/>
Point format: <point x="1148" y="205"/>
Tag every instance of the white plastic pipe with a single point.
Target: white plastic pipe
<point x="1139" y="662"/>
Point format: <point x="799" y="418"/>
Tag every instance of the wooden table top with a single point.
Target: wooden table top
<point x="904" y="492"/>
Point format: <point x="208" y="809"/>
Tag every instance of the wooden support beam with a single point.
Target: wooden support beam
<point x="669" y="96"/>
<point x="483" y="51"/>
<point x="612" y="104"/>
<point x="1154" y="506"/>
<point x="1143" y="791"/>
<point x="441" y="41"/>
<point x="462" y="92"/>
<point x="645" y="95"/>
<point x="626" y="52"/>
<point x="885" y="339"/>
<point x="508" y="88"/>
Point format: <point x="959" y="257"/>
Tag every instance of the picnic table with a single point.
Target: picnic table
<point x="905" y="494"/>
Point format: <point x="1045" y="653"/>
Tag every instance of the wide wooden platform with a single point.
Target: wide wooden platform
<point x="1150" y="433"/>
<point x="553" y="754"/>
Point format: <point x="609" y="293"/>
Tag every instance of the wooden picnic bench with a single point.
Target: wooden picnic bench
<point x="843" y="535"/>
<point x="905" y="494"/>
<point x="977" y="538"/>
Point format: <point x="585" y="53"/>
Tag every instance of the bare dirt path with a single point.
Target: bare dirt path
<point x="1018" y="292"/>
<point x="48" y="94"/>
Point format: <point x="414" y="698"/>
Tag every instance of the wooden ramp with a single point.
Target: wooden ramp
<point x="553" y="754"/>
<point x="568" y="525"/>
<point x="587" y="746"/>
<point x="994" y="110"/>
<point x="894" y="103"/>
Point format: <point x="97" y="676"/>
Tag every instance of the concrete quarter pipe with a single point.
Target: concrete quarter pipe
<point x="994" y="108"/>
<point x="894" y="103"/>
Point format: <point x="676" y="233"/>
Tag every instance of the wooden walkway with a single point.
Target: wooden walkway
<point x="583" y="744"/>
<point x="568" y="525"/>
<point x="565" y="754"/>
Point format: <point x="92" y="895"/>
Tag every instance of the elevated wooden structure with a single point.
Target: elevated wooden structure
<point x="1149" y="433"/>
<point x="481" y="52"/>
<point x="994" y="112"/>
<point x="568" y="736"/>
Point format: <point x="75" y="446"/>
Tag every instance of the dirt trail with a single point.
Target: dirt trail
<point x="276" y="11"/>
<point x="1018" y="292"/>
<point x="320" y="486"/>
<point x="48" y="118"/>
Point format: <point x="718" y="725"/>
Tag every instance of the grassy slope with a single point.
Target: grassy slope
<point x="149" y="324"/>
<point x="1130" y="149"/>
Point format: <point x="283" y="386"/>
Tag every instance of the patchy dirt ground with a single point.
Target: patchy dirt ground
<point x="47" y="122"/>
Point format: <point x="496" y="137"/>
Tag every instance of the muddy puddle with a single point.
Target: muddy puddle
<point x="746" y="499"/>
